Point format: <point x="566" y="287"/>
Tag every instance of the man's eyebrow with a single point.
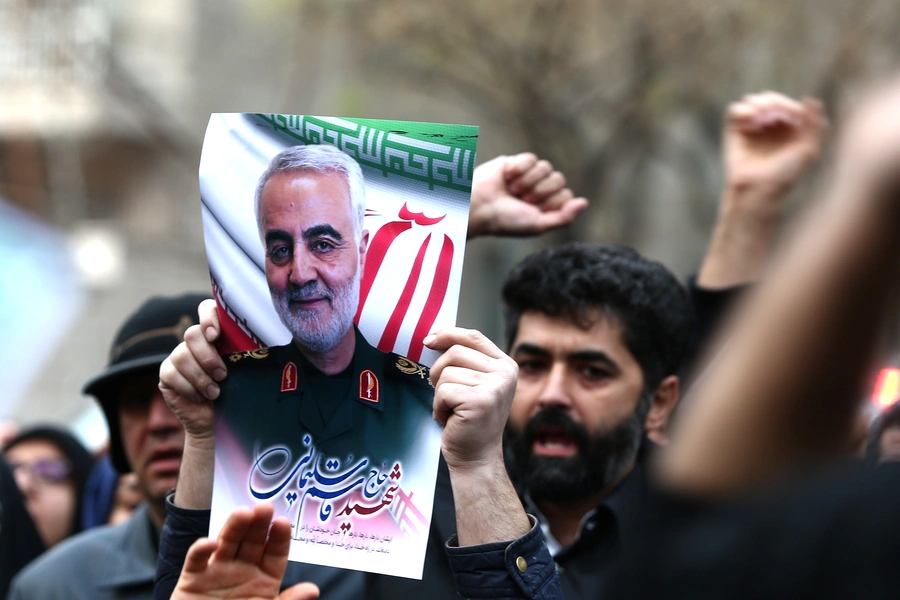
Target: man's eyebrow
<point x="531" y="349"/>
<point x="578" y="355"/>
<point x="278" y="235"/>
<point x="593" y="356"/>
<point x="320" y="230"/>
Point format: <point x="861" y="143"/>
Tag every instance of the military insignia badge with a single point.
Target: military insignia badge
<point x="368" y="386"/>
<point x="289" y="378"/>
<point x="411" y="368"/>
<point x="257" y="354"/>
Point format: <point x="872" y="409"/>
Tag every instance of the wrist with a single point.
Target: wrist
<point x="195" y="477"/>
<point x="201" y="442"/>
<point x="741" y="238"/>
<point x="489" y="466"/>
<point x="477" y="226"/>
<point x="760" y="202"/>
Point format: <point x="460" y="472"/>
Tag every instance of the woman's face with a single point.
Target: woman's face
<point x="43" y="474"/>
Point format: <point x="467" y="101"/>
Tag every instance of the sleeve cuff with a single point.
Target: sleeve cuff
<point x="522" y="568"/>
<point x="194" y="520"/>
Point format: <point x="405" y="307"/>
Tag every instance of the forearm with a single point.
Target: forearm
<point x="195" y="478"/>
<point x="183" y="527"/>
<point x="742" y="236"/>
<point x="786" y="386"/>
<point x="487" y="506"/>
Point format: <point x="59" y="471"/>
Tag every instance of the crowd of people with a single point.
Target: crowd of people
<point x="637" y="436"/>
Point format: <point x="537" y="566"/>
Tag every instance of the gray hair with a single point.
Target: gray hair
<point x="318" y="158"/>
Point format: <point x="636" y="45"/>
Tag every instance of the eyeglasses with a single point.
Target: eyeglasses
<point x="46" y="471"/>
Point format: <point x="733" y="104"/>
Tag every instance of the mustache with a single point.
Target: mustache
<point x="558" y="419"/>
<point x="311" y="289"/>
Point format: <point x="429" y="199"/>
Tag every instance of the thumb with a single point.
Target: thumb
<point x="563" y="216"/>
<point x="209" y="320"/>
<point x="301" y="591"/>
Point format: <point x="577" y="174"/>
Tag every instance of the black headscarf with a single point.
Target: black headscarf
<point x="82" y="461"/>
<point x="20" y="542"/>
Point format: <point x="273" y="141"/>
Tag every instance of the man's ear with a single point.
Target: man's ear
<point x="665" y="398"/>
<point x="363" y="247"/>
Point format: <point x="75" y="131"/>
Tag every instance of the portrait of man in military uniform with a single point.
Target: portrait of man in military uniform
<point x="336" y="433"/>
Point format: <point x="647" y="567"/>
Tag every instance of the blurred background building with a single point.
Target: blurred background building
<point x="103" y="106"/>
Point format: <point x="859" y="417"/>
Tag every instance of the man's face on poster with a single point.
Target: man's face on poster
<point x="314" y="255"/>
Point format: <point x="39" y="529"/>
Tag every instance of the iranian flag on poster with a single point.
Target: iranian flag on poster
<point x="417" y="181"/>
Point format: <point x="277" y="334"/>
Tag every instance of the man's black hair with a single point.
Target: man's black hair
<point x="578" y="280"/>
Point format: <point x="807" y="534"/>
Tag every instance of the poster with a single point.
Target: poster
<point x="334" y="246"/>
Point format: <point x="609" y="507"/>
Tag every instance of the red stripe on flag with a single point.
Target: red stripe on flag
<point x="378" y="248"/>
<point x="435" y="300"/>
<point x="389" y="337"/>
<point x="233" y="337"/>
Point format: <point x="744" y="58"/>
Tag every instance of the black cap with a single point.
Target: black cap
<point x="143" y="342"/>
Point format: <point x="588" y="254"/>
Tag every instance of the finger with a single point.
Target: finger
<point x="275" y="558"/>
<point x="232" y="534"/>
<point x="565" y="215"/>
<point x="529" y="178"/>
<point x="766" y="110"/>
<point x="545" y="189"/>
<point x="189" y="377"/>
<point x="515" y="166"/>
<point x="204" y="353"/>
<point x="740" y="111"/>
<point x="450" y="396"/>
<point x="208" y="312"/>
<point x="301" y="591"/>
<point x="253" y="544"/>
<point x="768" y="118"/>
<point x="462" y="376"/>
<point x="770" y="98"/>
<point x="462" y="357"/>
<point x="550" y="198"/>
<point x="815" y="112"/>
<point x="197" y="558"/>
<point x="470" y="338"/>
<point x="773" y="100"/>
<point x="173" y="383"/>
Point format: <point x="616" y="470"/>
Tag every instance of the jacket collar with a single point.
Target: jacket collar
<point x="364" y="387"/>
<point x="367" y="368"/>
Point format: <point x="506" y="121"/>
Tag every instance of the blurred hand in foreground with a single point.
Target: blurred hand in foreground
<point x="247" y="561"/>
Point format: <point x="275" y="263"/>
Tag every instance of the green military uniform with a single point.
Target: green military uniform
<point x="378" y="411"/>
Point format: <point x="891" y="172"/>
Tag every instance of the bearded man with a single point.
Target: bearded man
<point x="599" y="333"/>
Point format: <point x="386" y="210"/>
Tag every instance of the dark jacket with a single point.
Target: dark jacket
<point x="102" y="563"/>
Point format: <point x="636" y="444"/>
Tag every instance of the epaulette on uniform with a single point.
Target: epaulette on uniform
<point x="411" y="370"/>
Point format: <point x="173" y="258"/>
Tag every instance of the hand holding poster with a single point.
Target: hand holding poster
<point x="335" y="246"/>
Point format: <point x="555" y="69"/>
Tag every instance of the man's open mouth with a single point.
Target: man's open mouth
<point x="554" y="441"/>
